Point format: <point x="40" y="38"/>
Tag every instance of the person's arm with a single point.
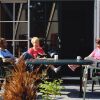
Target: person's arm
<point x="41" y="51"/>
<point x="9" y="57"/>
<point x="92" y="53"/>
<point x="30" y="51"/>
<point x="1" y="56"/>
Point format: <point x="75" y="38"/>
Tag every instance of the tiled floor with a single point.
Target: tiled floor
<point x="71" y="92"/>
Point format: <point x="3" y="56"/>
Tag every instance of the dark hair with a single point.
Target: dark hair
<point x="2" y="41"/>
<point x="98" y="41"/>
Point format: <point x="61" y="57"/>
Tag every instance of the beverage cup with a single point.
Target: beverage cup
<point x="78" y="57"/>
<point x="56" y="57"/>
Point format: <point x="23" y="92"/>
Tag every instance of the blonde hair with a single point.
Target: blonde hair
<point x="34" y="39"/>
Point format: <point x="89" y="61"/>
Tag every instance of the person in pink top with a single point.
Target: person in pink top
<point x="95" y="54"/>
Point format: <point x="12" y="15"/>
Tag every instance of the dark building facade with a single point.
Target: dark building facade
<point x="65" y="26"/>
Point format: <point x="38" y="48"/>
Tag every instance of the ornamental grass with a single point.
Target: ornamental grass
<point x="22" y="85"/>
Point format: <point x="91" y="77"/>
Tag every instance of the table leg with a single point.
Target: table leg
<point x="81" y="82"/>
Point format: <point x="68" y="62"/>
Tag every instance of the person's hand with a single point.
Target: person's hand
<point x="41" y="58"/>
<point x="10" y="60"/>
<point x="41" y="55"/>
<point x="5" y="59"/>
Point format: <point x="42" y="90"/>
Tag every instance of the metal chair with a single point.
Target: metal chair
<point x="95" y="77"/>
<point x="2" y="73"/>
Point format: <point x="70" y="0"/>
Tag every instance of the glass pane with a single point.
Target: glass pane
<point x="55" y="14"/>
<point x="37" y="11"/>
<point x="42" y="10"/>
<point x="40" y="16"/>
<point x="6" y="12"/>
<point x="7" y="30"/>
<point x="19" y="32"/>
<point x="50" y="10"/>
<point x="21" y="12"/>
<point x="10" y="46"/>
<point x="37" y="29"/>
<point x="20" y="47"/>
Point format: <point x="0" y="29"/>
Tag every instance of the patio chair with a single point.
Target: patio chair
<point x="4" y="72"/>
<point x="95" y="77"/>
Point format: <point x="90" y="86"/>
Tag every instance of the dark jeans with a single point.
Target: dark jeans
<point x="27" y="56"/>
<point x="30" y="67"/>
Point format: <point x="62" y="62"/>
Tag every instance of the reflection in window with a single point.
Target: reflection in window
<point x="6" y="12"/>
<point x="44" y="19"/>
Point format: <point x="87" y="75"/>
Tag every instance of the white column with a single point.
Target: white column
<point x="13" y="43"/>
<point x="96" y="20"/>
<point x="28" y="23"/>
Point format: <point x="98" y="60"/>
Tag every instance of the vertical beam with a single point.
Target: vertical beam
<point x="96" y="20"/>
<point x="95" y="25"/>
<point x="28" y="36"/>
<point x="18" y="18"/>
<point x="7" y="10"/>
<point x="0" y="19"/>
<point x="13" y="29"/>
<point x="50" y="19"/>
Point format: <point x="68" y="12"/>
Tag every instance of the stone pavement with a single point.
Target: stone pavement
<point x="71" y="92"/>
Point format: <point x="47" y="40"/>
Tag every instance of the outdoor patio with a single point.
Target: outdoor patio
<point x="71" y="92"/>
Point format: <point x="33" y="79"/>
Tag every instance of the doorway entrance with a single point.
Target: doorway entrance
<point x="76" y="30"/>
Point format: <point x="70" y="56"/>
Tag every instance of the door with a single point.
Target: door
<point x="76" y="29"/>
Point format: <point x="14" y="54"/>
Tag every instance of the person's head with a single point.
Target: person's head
<point x="98" y="42"/>
<point x="3" y="43"/>
<point x="35" y="41"/>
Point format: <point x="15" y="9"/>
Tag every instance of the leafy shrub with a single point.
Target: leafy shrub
<point x="50" y="88"/>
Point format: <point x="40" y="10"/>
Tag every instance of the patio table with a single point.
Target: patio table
<point x="50" y="61"/>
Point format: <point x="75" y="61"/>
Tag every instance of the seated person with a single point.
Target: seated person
<point x="36" y="51"/>
<point x="95" y="57"/>
<point x="4" y="53"/>
<point x="95" y="54"/>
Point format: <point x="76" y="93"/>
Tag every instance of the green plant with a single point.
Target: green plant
<point x="21" y="84"/>
<point x="49" y="90"/>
